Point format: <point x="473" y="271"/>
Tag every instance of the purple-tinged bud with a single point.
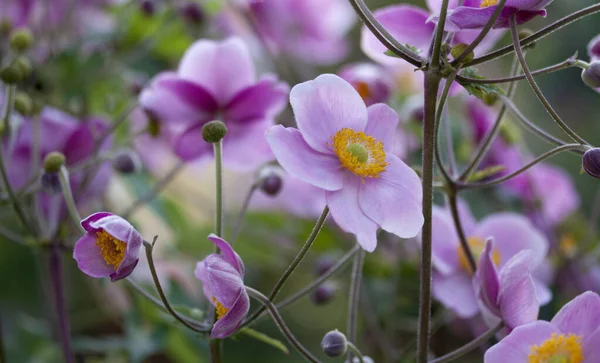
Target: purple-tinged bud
<point x="50" y="183"/>
<point x="214" y="131"/>
<point x="324" y="293"/>
<point x="591" y="75"/>
<point x="594" y="48"/>
<point x="271" y="184"/>
<point x="334" y="344"/>
<point x="54" y="161"/>
<point x="147" y="7"/>
<point x="192" y="13"/>
<point x="324" y="263"/>
<point x="127" y="162"/>
<point x="21" y="39"/>
<point x="591" y="162"/>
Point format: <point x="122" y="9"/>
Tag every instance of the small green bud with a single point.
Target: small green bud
<point x="23" y="104"/>
<point x="21" y="39"/>
<point x="524" y="33"/>
<point x="458" y="49"/>
<point x="5" y="27"/>
<point x="11" y="74"/>
<point x="24" y="65"/>
<point x="490" y="98"/>
<point x="54" y="161"/>
<point x="214" y="131"/>
<point x="510" y="133"/>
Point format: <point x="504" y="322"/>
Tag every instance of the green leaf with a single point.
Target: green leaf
<point x="265" y="339"/>
<point x="481" y="91"/>
<point x="485" y="173"/>
<point x="410" y="47"/>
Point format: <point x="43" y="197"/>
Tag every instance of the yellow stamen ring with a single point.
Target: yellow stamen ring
<point x="111" y="248"/>
<point x="560" y="348"/>
<point x="221" y="310"/>
<point x="360" y="153"/>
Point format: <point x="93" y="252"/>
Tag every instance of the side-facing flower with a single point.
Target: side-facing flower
<point x="216" y="81"/>
<point x="222" y="277"/>
<point x="111" y="246"/>
<point x="342" y="146"/>
<point x="475" y="14"/>
<point x="370" y="81"/>
<point x="572" y="336"/>
<point x="508" y="295"/>
<point x="452" y="277"/>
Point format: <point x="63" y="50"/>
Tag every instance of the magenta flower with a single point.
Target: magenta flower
<point x="508" y="295"/>
<point x="111" y="247"/>
<point x="216" y="80"/>
<point x="452" y="278"/>
<point x="474" y="14"/>
<point x="311" y="31"/>
<point x="573" y="336"/>
<point x="342" y="146"/>
<point x="370" y="81"/>
<point x="594" y="48"/>
<point x="222" y="277"/>
<point x="17" y="13"/>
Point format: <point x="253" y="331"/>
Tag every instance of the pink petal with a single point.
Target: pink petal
<point x="581" y="316"/>
<point x="445" y="242"/>
<point x="594" y="48"/>
<point x="518" y="298"/>
<point x="348" y="215"/>
<point x="191" y="146"/>
<point x="303" y="162"/>
<point x="223" y="68"/>
<point x="264" y="99"/>
<point x="382" y="124"/>
<point x="229" y="323"/>
<point x="516" y="347"/>
<point x="487" y="280"/>
<point x="394" y="199"/>
<point x="456" y="293"/>
<point x="324" y="106"/>
<point x="228" y="253"/>
<point x="89" y="259"/>
<point x="245" y="146"/>
<point x="591" y="347"/>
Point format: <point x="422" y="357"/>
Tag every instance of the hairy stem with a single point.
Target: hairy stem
<point x="65" y="185"/>
<point x="354" y="297"/>
<point x="240" y="219"/>
<point x="464" y="244"/>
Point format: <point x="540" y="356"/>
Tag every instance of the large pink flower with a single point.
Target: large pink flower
<point x="342" y="146"/>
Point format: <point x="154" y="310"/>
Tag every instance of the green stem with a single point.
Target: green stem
<point x="8" y="109"/>
<point x="536" y="89"/>
<point x="218" y="148"/>
<point x="62" y="313"/>
<point x="439" y="36"/>
<point x="432" y="82"/>
<point x="354" y="297"/>
<point x="438" y="119"/>
<point x="65" y="184"/>
<point x="469" y="347"/>
<point x="290" y="270"/>
<point x="240" y="219"/>
<point x="356" y="351"/>
<point x="281" y="324"/>
<point x="452" y="201"/>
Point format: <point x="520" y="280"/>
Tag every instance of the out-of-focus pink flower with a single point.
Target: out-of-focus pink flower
<point x="452" y="277"/>
<point x="222" y="277"/>
<point x="216" y="80"/>
<point x="475" y="14"/>
<point x="594" y="48"/>
<point x="311" y="31"/>
<point x="507" y="295"/>
<point x="111" y="247"/>
<point x="16" y="13"/>
<point x="370" y="81"/>
<point x="573" y="335"/>
<point x="342" y="146"/>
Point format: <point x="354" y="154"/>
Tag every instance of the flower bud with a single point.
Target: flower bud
<point x="271" y="183"/>
<point x="324" y="263"/>
<point x="490" y="98"/>
<point x="458" y="49"/>
<point x="54" y="161"/>
<point x="591" y="75"/>
<point x="324" y="293"/>
<point x="214" y="131"/>
<point x="591" y="162"/>
<point x="147" y="7"/>
<point x="21" y="39"/>
<point x="23" y="104"/>
<point x="127" y="162"/>
<point x="5" y="26"/>
<point x="524" y="33"/>
<point x="334" y="344"/>
<point x="192" y="13"/>
<point x="11" y="74"/>
<point x="51" y="183"/>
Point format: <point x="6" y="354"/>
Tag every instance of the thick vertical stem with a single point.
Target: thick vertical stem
<point x="60" y="303"/>
<point x="354" y="297"/>
<point x="432" y="83"/>
<point x="215" y="344"/>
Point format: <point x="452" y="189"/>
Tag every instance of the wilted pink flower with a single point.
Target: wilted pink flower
<point x="311" y="31"/>
<point x="573" y="336"/>
<point x="370" y="81"/>
<point x="222" y="277"/>
<point x="452" y="278"/>
<point x="474" y="14"/>
<point x="216" y="81"/>
<point x="509" y="294"/>
<point x="342" y="146"/>
<point x="111" y="246"/>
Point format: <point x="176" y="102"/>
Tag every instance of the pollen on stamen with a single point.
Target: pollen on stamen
<point x="559" y="348"/>
<point x="112" y="249"/>
<point x="220" y="309"/>
<point x="360" y="153"/>
<point x="486" y="3"/>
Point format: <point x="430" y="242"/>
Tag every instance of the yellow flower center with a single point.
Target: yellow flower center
<point x="221" y="310"/>
<point x="363" y="90"/>
<point x="568" y="245"/>
<point x="558" y="349"/>
<point x="486" y="3"/>
<point x="111" y="249"/>
<point x="477" y="245"/>
<point x="361" y="154"/>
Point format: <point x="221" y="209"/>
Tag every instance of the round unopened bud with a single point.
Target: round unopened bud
<point x="127" y="162"/>
<point x="214" y="131"/>
<point x="23" y="104"/>
<point x="192" y="13"/>
<point x="147" y="7"/>
<point x="524" y="33"/>
<point x="5" y="26"/>
<point x="324" y="263"/>
<point x="324" y="293"/>
<point x="334" y="344"/>
<point x="50" y="183"/>
<point x="591" y="162"/>
<point x="458" y="49"/>
<point x="271" y="184"/>
<point x="11" y="74"/>
<point x="591" y="75"/>
<point x="24" y="65"/>
<point x="54" y="161"/>
<point x="21" y="39"/>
